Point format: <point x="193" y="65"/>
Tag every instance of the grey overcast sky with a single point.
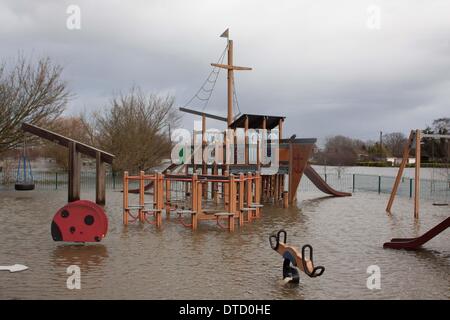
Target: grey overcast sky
<point x="324" y="64"/>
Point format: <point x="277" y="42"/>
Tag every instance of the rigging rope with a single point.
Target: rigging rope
<point x="204" y="93"/>
<point x="235" y="99"/>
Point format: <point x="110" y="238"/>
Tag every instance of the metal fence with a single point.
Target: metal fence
<point x="436" y="190"/>
<point x="46" y="180"/>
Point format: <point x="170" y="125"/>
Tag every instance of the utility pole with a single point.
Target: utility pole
<point x="381" y="144"/>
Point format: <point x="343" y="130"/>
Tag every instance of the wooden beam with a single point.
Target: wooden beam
<point x="230" y="67"/>
<point x="204" y="166"/>
<point x="207" y="115"/>
<point x="65" y="141"/>
<point x="74" y="173"/>
<point x="230" y="83"/>
<point x="417" y="176"/>
<point x="405" y="157"/>
<point x="100" y="187"/>
<point x="246" y="148"/>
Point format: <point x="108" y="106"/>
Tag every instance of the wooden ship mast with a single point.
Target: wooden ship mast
<point x="293" y="153"/>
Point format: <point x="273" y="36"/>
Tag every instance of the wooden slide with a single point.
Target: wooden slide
<point x="414" y="243"/>
<point x="321" y="184"/>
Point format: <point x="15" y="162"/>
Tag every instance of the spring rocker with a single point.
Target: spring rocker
<point x="293" y="260"/>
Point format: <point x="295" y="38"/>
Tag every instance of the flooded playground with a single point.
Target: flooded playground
<point x="141" y="262"/>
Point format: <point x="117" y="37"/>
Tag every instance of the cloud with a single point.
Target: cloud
<point x="314" y="61"/>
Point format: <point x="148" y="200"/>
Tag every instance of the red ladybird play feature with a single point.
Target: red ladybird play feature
<point x="80" y="221"/>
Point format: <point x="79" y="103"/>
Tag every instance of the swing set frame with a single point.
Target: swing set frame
<point x="414" y="140"/>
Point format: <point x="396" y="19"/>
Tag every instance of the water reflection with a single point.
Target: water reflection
<point x="86" y="256"/>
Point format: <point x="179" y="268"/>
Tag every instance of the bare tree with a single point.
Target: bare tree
<point x="341" y="151"/>
<point x="394" y="143"/>
<point x="32" y="92"/>
<point x="441" y="125"/>
<point x="73" y="127"/>
<point x="134" y="128"/>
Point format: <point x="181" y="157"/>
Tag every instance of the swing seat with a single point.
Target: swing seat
<point x="24" y="186"/>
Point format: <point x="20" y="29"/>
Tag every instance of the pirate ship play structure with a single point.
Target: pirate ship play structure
<point x="219" y="190"/>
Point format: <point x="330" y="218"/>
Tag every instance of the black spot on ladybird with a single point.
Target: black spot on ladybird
<point x="89" y="220"/>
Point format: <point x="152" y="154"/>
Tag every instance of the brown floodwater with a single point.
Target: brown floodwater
<point x="140" y="262"/>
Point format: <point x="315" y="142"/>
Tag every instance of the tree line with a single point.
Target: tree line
<point x="346" y="151"/>
<point x="132" y="125"/>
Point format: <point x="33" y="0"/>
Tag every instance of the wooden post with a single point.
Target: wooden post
<point x="417" y="175"/>
<point x="215" y="185"/>
<point x="241" y="198"/>
<point x="246" y="151"/>
<point x="281" y="186"/>
<point x="168" y="195"/>
<point x="230" y="83"/>
<point x="232" y="202"/>
<point x="249" y="197"/>
<point x="142" y="195"/>
<point x="160" y="199"/>
<point x="125" y="198"/>
<point x="277" y="188"/>
<point x="204" y="166"/>
<point x="194" y="195"/>
<point x="280" y="130"/>
<point x="405" y="157"/>
<point x="263" y="126"/>
<point x="226" y="193"/>
<point x="74" y="173"/>
<point x="280" y="178"/>
<point x="100" y="194"/>
<point x="258" y="192"/>
<point x="285" y="199"/>
<point x="198" y="210"/>
<point x="186" y="185"/>
<point x="258" y="158"/>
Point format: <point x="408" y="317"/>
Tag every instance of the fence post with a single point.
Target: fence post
<point x="56" y="180"/>
<point x="325" y="177"/>
<point x="379" y="184"/>
<point x="410" y="187"/>
<point x="114" y="179"/>
<point x="353" y="183"/>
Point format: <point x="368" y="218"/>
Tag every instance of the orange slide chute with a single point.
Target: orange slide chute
<point x="321" y="184"/>
<point x="414" y="243"/>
